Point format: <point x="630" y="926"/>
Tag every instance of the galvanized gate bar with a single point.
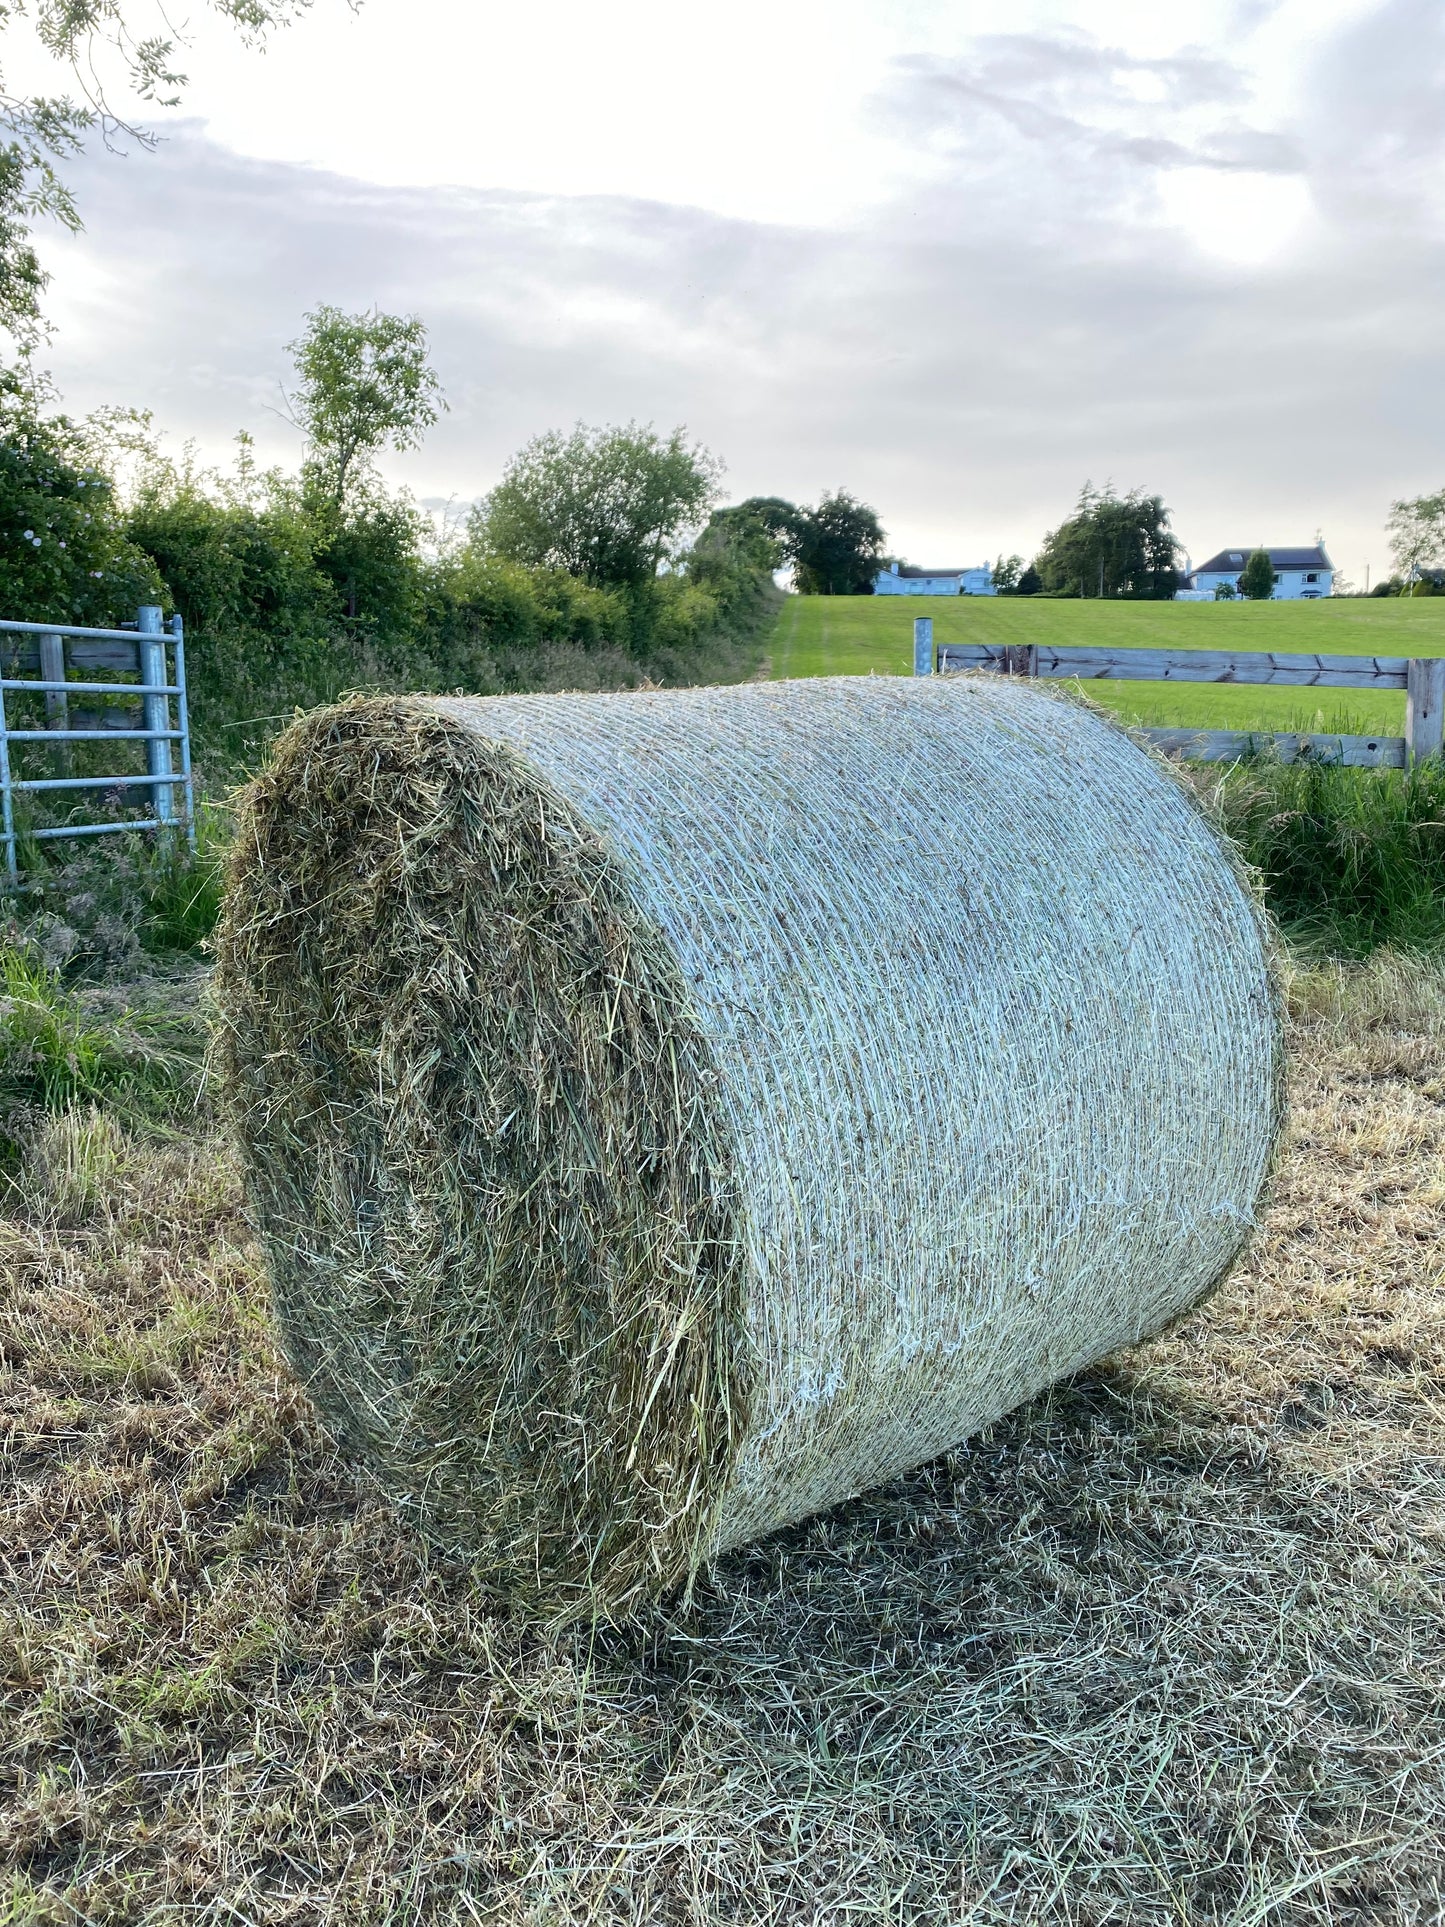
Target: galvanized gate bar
<point x="7" y="800"/>
<point x="99" y="829"/>
<point x="156" y="710"/>
<point x="89" y="735"/>
<point x="130" y="689"/>
<point x="91" y="782"/>
<point x="72" y="629"/>
<point x="183" y="717"/>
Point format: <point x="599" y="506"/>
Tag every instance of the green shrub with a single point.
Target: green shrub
<point x="482" y="609"/>
<point x="370" y="551"/>
<point x="64" y="553"/>
<point x="233" y="557"/>
<point x="242" y="562"/>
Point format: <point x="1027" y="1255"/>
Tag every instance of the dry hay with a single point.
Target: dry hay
<point x="1163" y="1648"/>
<point x="668" y="1114"/>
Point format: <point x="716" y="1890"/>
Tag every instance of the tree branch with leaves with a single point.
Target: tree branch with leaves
<point x="108" y="55"/>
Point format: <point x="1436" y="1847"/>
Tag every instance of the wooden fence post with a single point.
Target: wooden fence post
<point x="923" y="663"/>
<point x="1424" y="707"/>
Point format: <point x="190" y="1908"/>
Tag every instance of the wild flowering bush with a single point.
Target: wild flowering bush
<point x="64" y="552"/>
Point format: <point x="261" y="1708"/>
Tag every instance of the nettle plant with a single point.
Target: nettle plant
<point x="63" y="555"/>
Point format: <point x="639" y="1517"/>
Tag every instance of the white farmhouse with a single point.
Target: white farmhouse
<point x="1299" y="574"/>
<point x="898" y="580"/>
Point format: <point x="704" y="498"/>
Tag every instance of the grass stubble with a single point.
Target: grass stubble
<point x="1166" y="1645"/>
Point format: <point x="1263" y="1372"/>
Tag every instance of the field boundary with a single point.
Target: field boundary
<point x="1422" y="678"/>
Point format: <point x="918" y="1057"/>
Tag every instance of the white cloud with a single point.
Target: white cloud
<point x="1060" y="270"/>
<point x="1242" y="217"/>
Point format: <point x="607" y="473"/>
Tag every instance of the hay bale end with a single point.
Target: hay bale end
<point x="667" y="1114"/>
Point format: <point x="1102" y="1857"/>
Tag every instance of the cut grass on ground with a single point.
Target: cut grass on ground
<point x="1163" y="1647"/>
<point x="856" y="635"/>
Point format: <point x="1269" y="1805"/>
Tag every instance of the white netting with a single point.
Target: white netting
<point x="998" y="1041"/>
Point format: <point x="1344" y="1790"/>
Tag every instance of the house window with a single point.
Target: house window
<point x="1312" y="576"/>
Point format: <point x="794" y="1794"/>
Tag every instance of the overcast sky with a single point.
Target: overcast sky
<point x="956" y="258"/>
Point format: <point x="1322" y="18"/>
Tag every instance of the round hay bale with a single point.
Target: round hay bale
<point x="668" y="1114"/>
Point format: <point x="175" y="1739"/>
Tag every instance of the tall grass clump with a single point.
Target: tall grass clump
<point x="57" y="1054"/>
<point x="1352" y="859"/>
<point x="120" y="906"/>
<point x="179" y="888"/>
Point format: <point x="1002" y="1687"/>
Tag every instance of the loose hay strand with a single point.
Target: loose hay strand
<point x="668" y="1114"/>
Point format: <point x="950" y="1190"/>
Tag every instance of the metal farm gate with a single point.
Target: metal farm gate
<point x="146" y="707"/>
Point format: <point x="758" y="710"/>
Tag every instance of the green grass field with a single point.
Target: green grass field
<point x="858" y="635"/>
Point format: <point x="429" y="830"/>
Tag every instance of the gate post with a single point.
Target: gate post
<point x="57" y="703"/>
<point x="156" y="709"/>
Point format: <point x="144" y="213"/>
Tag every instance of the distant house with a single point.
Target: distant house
<point x="1299" y="574"/>
<point x="899" y="580"/>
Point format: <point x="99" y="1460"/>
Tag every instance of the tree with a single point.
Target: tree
<point x="1030" y="582"/>
<point x="39" y="133"/>
<point x="1112" y="545"/>
<point x="1224" y="590"/>
<point x="364" y="385"/>
<point x="837" y="547"/>
<point x="1006" y="572"/>
<point x="1416" y="529"/>
<point x="606" y="504"/>
<point x="1257" y="581"/>
<point x="760" y="529"/>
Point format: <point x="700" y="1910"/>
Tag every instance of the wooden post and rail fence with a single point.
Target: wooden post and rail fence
<point x="1422" y="678"/>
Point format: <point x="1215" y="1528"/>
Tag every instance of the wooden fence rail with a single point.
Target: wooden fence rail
<point x="1422" y="678"/>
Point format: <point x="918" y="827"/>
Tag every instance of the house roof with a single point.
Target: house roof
<point x="970" y="570"/>
<point x="1230" y="560"/>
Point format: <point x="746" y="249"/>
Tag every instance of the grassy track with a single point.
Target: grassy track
<point x="853" y="635"/>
